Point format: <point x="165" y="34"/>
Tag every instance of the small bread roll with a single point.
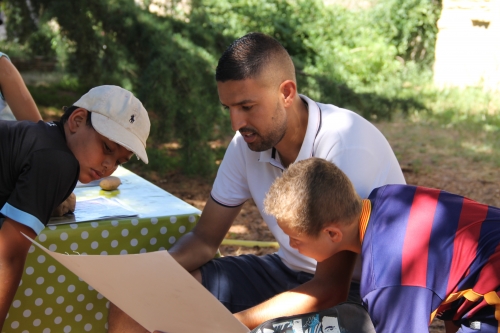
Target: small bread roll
<point x="67" y="206"/>
<point x="110" y="183"/>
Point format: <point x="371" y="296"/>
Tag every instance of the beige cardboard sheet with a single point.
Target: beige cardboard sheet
<point x="153" y="289"/>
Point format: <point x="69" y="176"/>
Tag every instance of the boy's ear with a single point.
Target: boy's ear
<point x="77" y="119"/>
<point x="334" y="233"/>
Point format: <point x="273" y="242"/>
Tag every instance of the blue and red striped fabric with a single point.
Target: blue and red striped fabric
<point x="432" y="239"/>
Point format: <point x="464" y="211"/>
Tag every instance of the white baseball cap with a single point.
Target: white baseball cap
<point x="118" y="115"/>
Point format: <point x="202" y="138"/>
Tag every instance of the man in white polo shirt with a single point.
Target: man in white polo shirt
<point x="275" y="127"/>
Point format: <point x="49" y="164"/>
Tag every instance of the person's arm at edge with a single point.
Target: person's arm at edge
<point x="13" y="251"/>
<point x="201" y="244"/>
<point x="328" y="287"/>
<point x="16" y="93"/>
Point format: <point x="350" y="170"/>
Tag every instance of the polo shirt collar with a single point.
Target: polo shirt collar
<point x="271" y="156"/>
<point x="307" y="148"/>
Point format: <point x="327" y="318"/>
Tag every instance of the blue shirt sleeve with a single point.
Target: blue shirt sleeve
<point x="45" y="181"/>
<point x="401" y="308"/>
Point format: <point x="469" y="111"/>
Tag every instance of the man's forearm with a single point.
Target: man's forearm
<point x="191" y="252"/>
<point x="200" y="245"/>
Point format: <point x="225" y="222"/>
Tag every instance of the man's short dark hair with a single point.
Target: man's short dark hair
<point x="248" y="55"/>
<point x="69" y="110"/>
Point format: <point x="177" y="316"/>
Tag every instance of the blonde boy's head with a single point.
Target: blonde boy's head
<point x="312" y="194"/>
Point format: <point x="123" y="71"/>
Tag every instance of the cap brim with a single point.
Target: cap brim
<point x="119" y="134"/>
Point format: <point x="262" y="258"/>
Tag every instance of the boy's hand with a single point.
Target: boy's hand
<point x="328" y="287"/>
<point x="13" y="251"/>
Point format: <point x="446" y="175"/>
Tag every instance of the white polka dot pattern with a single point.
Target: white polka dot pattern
<point x="52" y="299"/>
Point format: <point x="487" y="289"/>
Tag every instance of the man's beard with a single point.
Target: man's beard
<point x="274" y="137"/>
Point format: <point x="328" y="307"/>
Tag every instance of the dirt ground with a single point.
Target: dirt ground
<point x="446" y="157"/>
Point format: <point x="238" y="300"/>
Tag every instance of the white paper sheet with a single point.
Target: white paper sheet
<point x="101" y="208"/>
<point x="95" y="209"/>
<point x="153" y="289"/>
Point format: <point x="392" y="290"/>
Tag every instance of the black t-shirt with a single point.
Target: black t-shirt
<point x="38" y="171"/>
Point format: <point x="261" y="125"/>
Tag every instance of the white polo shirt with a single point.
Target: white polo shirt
<point x="337" y="135"/>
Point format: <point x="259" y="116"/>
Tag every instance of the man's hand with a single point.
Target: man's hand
<point x="328" y="287"/>
<point x="199" y="246"/>
<point x="13" y="251"/>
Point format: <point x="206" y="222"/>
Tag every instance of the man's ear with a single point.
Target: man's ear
<point x="77" y="119"/>
<point x="288" y="90"/>
<point x="334" y="233"/>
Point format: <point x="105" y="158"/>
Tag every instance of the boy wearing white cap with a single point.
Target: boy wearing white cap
<point x="41" y="163"/>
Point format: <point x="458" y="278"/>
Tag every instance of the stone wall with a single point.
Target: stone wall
<point x="468" y="44"/>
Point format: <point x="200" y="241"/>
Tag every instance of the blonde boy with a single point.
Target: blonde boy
<point x="424" y="251"/>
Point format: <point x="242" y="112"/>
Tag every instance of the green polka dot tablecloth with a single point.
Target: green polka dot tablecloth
<point x="51" y="299"/>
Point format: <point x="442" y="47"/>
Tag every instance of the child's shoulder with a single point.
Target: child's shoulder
<point x="35" y="156"/>
<point x="45" y="133"/>
<point x="23" y="139"/>
<point x="51" y="138"/>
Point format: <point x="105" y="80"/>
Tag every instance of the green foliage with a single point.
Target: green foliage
<point x="22" y="19"/>
<point x="14" y="49"/>
<point x="362" y="60"/>
<point x="159" y="161"/>
<point x="40" y="43"/>
<point x="24" y="27"/>
<point x="409" y="25"/>
<point x="117" y="42"/>
<point x="339" y="56"/>
<point x="64" y="93"/>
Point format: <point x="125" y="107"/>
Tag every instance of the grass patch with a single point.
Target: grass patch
<point x="52" y="91"/>
<point x="455" y="124"/>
